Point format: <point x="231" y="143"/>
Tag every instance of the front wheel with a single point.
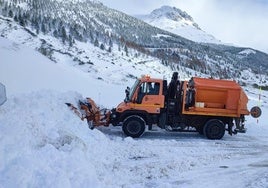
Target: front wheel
<point x="214" y="129"/>
<point x="133" y="126"/>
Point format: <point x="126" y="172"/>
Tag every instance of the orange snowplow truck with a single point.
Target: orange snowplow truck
<point x="207" y="106"/>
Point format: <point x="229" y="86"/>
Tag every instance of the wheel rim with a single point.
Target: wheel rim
<point x="134" y="127"/>
<point x="215" y="130"/>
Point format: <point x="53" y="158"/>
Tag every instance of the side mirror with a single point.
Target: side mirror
<point x="127" y="91"/>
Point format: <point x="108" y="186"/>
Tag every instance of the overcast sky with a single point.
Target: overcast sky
<point x="240" y="22"/>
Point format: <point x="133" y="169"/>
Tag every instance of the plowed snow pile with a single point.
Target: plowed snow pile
<point x="40" y="145"/>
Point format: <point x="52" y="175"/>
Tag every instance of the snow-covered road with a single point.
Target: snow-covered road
<point x="189" y="160"/>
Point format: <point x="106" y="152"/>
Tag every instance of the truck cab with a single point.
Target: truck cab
<point x="146" y="94"/>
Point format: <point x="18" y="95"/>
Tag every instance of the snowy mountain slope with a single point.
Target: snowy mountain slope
<point x="21" y="64"/>
<point x="23" y="70"/>
<point x="178" y="22"/>
<point x="82" y="55"/>
<point x="63" y="27"/>
<point x="43" y="144"/>
<point x="97" y="63"/>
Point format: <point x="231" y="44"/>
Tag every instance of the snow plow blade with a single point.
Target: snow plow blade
<point x="87" y="109"/>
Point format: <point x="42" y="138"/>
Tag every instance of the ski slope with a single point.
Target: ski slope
<point x="43" y="144"/>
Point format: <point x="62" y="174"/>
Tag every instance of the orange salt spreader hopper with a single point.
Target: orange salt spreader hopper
<point x="216" y="98"/>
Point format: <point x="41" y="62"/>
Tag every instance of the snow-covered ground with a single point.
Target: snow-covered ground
<point x="43" y="144"/>
<point x="23" y="69"/>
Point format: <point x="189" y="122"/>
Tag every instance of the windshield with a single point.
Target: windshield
<point x="133" y="88"/>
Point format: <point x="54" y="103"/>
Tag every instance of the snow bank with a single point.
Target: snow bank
<point x="40" y="146"/>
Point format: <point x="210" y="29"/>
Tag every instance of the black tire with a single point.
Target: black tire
<point x="200" y="130"/>
<point x="163" y="120"/>
<point x="214" y="129"/>
<point x="198" y="124"/>
<point x="133" y="126"/>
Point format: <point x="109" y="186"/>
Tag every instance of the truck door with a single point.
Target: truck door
<point x="149" y="97"/>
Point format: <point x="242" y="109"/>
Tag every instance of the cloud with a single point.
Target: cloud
<point x="244" y="23"/>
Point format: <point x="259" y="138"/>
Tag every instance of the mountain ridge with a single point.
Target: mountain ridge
<point x="89" y="22"/>
<point x="176" y="21"/>
<point x="173" y="13"/>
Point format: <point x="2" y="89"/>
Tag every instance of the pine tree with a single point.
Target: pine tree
<point x="74" y="31"/>
<point x="16" y="18"/>
<point x="70" y="40"/>
<point x="10" y="14"/>
<point x="96" y="42"/>
<point x="110" y="43"/>
<point x="55" y="33"/>
<point x="63" y="34"/>
<point x="21" y="20"/>
<point x="126" y="50"/>
<point x="102" y="47"/>
<point x="43" y="28"/>
<point x="110" y="49"/>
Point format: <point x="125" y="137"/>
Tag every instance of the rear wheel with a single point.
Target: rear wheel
<point x="133" y="126"/>
<point x="199" y="129"/>
<point x="214" y="129"/>
<point x="198" y="124"/>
